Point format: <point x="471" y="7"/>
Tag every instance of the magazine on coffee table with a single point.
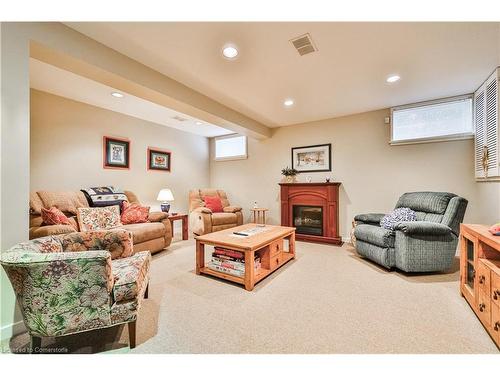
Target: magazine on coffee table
<point x="249" y="232"/>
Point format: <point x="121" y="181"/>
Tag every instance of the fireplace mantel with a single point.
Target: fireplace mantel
<point x="321" y="195"/>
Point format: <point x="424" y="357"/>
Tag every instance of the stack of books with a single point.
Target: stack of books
<point x="230" y="262"/>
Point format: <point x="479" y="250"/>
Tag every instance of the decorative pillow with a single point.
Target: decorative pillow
<point x="54" y="216"/>
<point x="213" y="203"/>
<point x="390" y="220"/>
<point x="134" y="213"/>
<point x="99" y="218"/>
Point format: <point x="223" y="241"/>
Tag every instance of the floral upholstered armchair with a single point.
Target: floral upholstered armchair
<point x="77" y="282"/>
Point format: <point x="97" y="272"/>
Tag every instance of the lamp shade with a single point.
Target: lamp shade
<point x="165" y="195"/>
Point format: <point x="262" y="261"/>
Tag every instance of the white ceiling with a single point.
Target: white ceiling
<point x="60" y="82"/>
<point x="347" y="75"/>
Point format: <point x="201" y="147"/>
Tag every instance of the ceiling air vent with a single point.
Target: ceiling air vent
<point x="179" y="118"/>
<point x="304" y="44"/>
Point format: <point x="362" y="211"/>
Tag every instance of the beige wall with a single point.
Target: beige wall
<point x="66" y="151"/>
<point x="373" y="173"/>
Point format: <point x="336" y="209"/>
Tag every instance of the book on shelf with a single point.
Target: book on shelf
<point x="230" y="253"/>
<point x="234" y="265"/>
<point x="230" y="271"/>
<point x="226" y="257"/>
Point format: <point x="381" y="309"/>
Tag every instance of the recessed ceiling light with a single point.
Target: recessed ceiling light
<point x="117" y="94"/>
<point x="230" y="51"/>
<point x="199" y="123"/>
<point x="288" y="102"/>
<point x="393" y="78"/>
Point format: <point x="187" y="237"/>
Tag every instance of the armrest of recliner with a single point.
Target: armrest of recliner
<point x="372" y="218"/>
<point x="423" y="228"/>
<point x="157" y="217"/>
<point x="50" y="230"/>
<point x="232" y="209"/>
<point x="204" y="210"/>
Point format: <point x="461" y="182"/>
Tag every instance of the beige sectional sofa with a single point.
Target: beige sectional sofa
<point x="153" y="236"/>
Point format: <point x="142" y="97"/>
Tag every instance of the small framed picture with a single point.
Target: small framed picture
<point x="159" y="160"/>
<point x="116" y="153"/>
<point x="317" y="158"/>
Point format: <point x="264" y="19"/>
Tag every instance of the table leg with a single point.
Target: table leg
<point x="291" y="244"/>
<point x="185" y="232"/>
<point x="249" y="270"/>
<point x="200" y="256"/>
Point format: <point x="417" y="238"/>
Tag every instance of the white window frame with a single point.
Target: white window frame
<point x="440" y="138"/>
<point x="228" y="158"/>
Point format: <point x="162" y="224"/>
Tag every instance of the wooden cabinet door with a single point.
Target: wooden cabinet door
<point x="468" y="259"/>
<point x="495" y="323"/>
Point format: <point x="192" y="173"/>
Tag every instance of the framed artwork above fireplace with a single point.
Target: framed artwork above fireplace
<point x="317" y="158"/>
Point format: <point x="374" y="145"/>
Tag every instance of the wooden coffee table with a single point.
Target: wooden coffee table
<point x="269" y="245"/>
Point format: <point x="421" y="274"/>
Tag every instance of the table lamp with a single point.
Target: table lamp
<point x="165" y="195"/>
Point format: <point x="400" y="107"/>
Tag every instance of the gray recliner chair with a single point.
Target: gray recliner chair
<point x="426" y="245"/>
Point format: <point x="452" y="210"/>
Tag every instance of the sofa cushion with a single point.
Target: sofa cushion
<point x="133" y="213"/>
<point x="213" y="203"/>
<point x="36" y="203"/>
<point x="66" y="201"/>
<point x="131" y="276"/>
<point x="55" y="216"/>
<point x="145" y="231"/>
<point x="426" y="201"/>
<point x="398" y="215"/>
<point x="375" y="235"/>
<point x="98" y="218"/>
<point x="223" y="218"/>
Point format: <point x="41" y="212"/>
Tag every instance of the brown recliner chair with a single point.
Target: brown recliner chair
<point x="203" y="220"/>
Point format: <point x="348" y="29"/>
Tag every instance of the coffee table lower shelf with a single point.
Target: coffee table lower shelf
<point x="263" y="272"/>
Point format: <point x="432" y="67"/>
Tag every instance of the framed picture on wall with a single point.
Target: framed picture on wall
<point x="116" y="153"/>
<point x="159" y="160"/>
<point x="317" y="158"/>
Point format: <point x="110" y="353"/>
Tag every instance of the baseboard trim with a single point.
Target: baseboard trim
<point x="12" y="329"/>
<point x="347" y="240"/>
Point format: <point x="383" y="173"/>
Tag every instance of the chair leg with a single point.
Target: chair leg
<point x="36" y="344"/>
<point x="131" y="334"/>
<point x="146" y="293"/>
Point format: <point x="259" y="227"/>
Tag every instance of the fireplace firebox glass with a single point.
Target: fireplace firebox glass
<point x="308" y="219"/>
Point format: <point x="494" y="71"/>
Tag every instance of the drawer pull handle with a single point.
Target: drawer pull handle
<point x="482" y="307"/>
<point x="481" y="279"/>
<point x="496" y="294"/>
<point x="497" y="326"/>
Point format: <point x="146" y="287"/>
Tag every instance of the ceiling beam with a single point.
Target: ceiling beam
<point x="84" y="56"/>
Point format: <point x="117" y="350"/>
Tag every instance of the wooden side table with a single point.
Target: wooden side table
<point x="259" y="215"/>
<point x="184" y="218"/>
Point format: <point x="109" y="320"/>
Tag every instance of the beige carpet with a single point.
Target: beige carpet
<point x="326" y="301"/>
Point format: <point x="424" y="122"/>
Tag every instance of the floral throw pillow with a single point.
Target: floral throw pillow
<point x="99" y="218"/>
<point x="390" y="220"/>
<point x="54" y="216"/>
<point x="133" y="213"/>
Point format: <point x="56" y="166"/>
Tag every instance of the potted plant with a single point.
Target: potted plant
<point x="289" y="174"/>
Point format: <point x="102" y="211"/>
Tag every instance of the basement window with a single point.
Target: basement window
<point x="230" y="147"/>
<point x="432" y="121"/>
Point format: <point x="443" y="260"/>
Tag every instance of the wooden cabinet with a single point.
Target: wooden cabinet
<point x="480" y="275"/>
